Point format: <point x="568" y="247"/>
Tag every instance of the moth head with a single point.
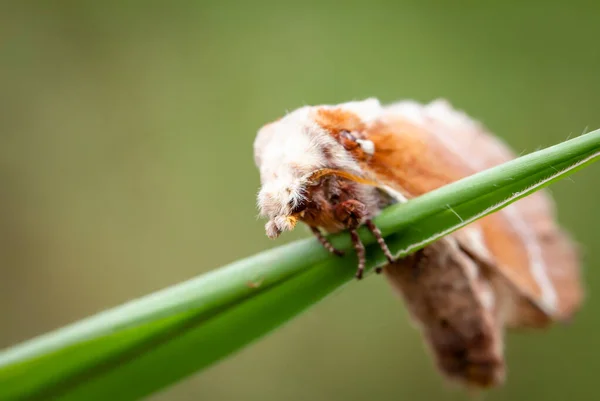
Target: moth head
<point x="298" y="150"/>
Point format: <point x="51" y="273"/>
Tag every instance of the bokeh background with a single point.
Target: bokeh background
<point x="126" y="165"/>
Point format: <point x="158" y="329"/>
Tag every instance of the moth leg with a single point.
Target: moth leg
<point x="325" y="242"/>
<point x="377" y="234"/>
<point x="360" y="253"/>
<point x="351" y="213"/>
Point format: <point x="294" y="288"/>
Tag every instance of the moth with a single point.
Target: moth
<point x="335" y="167"/>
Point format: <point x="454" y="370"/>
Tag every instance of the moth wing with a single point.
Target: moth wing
<point x="422" y="147"/>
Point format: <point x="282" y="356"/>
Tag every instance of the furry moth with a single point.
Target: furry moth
<point x="325" y="166"/>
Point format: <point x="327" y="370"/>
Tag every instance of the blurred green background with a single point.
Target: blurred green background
<point x="126" y="165"/>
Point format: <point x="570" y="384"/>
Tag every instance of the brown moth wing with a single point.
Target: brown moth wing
<point x="420" y="148"/>
<point x="454" y="306"/>
<point x="535" y="213"/>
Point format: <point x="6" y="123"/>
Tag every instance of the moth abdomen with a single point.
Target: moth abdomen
<point x="474" y="361"/>
<point x="445" y="295"/>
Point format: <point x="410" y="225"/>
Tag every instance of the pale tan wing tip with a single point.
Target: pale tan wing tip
<point x="567" y="275"/>
<point x="564" y="269"/>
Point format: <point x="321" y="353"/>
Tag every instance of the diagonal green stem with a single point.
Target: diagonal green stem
<point x="190" y="326"/>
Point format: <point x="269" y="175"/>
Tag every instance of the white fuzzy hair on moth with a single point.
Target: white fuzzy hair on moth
<point x="289" y="150"/>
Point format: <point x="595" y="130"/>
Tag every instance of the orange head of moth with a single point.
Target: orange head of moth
<point x="310" y="170"/>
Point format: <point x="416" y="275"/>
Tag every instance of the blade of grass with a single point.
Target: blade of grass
<point x="190" y="326"/>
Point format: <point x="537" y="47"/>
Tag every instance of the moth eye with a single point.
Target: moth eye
<point x="300" y="206"/>
<point x="349" y="141"/>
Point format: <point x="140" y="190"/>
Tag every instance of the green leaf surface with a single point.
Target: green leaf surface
<point x="145" y="345"/>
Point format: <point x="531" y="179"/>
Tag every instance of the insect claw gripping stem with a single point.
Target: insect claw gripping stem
<point x="386" y="251"/>
<point x="358" y="246"/>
